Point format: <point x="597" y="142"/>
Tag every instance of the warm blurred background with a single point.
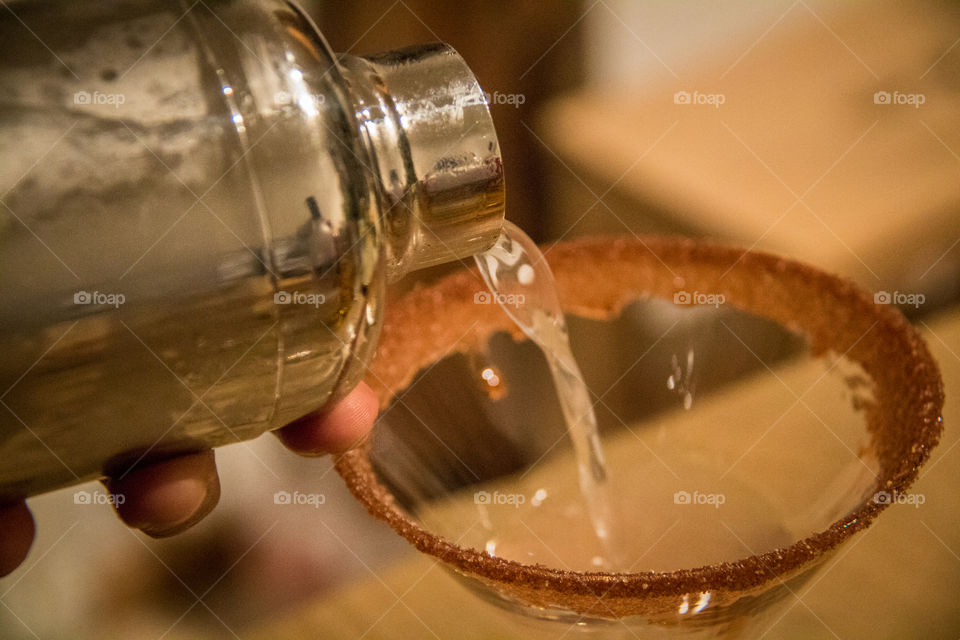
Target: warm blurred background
<point x="827" y="131"/>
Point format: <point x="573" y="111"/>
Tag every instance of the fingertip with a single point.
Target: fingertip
<point x="336" y="429"/>
<point x="167" y="497"/>
<point x="17" y="531"/>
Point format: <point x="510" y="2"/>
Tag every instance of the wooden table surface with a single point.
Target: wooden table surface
<point x="798" y="158"/>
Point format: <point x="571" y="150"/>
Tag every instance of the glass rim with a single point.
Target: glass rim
<point x="596" y="278"/>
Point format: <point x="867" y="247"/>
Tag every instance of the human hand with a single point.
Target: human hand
<point x="168" y="497"/>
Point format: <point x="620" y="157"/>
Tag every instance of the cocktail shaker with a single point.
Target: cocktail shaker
<point x="200" y="207"/>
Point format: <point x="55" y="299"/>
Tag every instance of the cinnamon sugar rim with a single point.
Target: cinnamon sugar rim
<point x="597" y="277"/>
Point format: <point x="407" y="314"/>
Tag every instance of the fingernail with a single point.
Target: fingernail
<point x="206" y="497"/>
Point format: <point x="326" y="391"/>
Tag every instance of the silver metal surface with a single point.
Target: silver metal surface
<point x="198" y="215"/>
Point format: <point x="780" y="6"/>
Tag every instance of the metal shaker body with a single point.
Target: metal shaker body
<point x="200" y="206"/>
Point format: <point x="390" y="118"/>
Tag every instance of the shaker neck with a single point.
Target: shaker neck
<point x="434" y="154"/>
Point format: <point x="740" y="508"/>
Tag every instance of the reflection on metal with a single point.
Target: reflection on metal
<point x="163" y="225"/>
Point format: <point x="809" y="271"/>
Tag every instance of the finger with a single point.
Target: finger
<point x="333" y="430"/>
<point x="168" y="497"/>
<point x="16" y="535"/>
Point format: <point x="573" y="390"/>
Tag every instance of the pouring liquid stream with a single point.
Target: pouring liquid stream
<point x="520" y="280"/>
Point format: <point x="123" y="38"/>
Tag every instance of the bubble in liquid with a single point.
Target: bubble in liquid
<point x="525" y="274"/>
<point x="681" y="378"/>
<point x="492" y="382"/>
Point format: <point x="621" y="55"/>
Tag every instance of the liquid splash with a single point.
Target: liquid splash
<point x="520" y="280"/>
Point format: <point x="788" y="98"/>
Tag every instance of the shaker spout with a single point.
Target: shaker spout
<point x="435" y="153"/>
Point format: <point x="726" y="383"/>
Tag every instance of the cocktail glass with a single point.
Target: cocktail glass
<point x="756" y="415"/>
